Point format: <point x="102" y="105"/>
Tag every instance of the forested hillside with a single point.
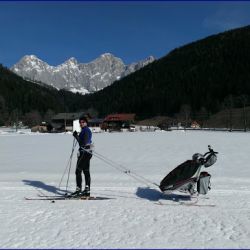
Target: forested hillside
<point x="203" y="77"/>
<point x="30" y="102"/>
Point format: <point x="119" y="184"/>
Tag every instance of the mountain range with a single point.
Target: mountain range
<point x="77" y="77"/>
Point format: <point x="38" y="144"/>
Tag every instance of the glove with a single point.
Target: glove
<point x="75" y="134"/>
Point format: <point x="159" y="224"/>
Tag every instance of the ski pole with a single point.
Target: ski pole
<point x="68" y="164"/>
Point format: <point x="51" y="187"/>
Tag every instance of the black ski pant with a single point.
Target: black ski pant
<point x="83" y="164"/>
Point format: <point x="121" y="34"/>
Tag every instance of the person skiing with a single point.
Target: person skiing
<point x="83" y="161"/>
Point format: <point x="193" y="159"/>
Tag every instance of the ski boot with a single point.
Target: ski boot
<point x="77" y="193"/>
<point x="85" y="193"/>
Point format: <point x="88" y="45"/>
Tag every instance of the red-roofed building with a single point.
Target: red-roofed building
<point x="195" y="124"/>
<point x="118" y="121"/>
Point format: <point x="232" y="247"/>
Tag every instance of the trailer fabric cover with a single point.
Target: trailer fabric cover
<point x="181" y="173"/>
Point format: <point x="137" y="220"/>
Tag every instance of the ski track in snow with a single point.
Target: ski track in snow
<point x="132" y="219"/>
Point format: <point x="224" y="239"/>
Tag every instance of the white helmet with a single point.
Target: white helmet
<point x="199" y="158"/>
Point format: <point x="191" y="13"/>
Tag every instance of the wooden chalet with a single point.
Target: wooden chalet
<point x="117" y="122"/>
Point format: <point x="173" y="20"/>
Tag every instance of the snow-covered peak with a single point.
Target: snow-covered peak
<point x="71" y="61"/>
<point x="31" y="60"/>
<point x="75" y="76"/>
<point x="150" y="59"/>
<point x="30" y="63"/>
<point x="107" y="55"/>
<point x="136" y="66"/>
<point x="30" y="57"/>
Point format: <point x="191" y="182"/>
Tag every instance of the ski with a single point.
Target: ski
<point x="194" y="204"/>
<point x="56" y="198"/>
<point x="51" y="196"/>
<point x="44" y="198"/>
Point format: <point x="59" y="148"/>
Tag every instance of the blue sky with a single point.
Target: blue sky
<point x="56" y="31"/>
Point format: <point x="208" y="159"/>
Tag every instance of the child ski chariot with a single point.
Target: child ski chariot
<point x="188" y="178"/>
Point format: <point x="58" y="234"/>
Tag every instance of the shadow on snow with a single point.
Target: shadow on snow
<point x="155" y="195"/>
<point x="41" y="185"/>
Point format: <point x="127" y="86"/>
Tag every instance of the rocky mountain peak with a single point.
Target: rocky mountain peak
<point x="71" y="61"/>
<point x="75" y="76"/>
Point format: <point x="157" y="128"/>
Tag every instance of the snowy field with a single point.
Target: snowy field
<point x="32" y="164"/>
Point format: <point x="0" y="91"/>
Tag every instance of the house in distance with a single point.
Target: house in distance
<point x="117" y="122"/>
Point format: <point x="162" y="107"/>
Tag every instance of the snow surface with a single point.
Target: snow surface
<point x="32" y="164"/>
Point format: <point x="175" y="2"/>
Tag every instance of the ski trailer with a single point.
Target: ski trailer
<point x="188" y="178"/>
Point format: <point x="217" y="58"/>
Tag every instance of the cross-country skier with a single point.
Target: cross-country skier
<point x="83" y="161"/>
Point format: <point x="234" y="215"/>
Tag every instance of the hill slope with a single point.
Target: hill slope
<point x="205" y="75"/>
<point x="20" y="96"/>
